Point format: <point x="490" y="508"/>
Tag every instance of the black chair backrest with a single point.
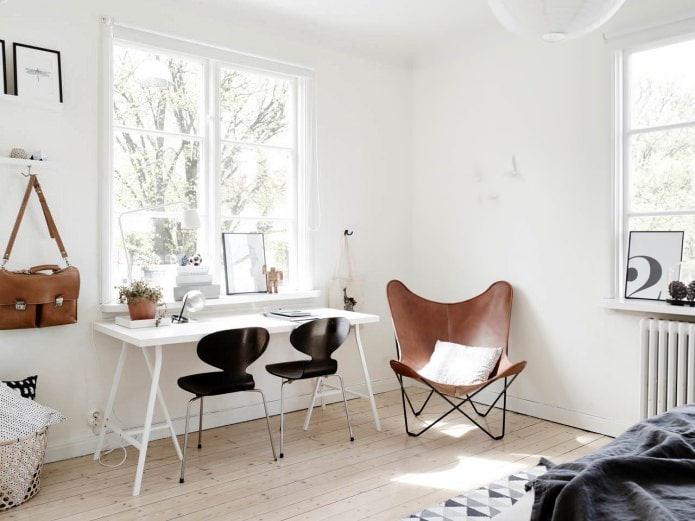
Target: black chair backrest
<point x="319" y="338"/>
<point x="233" y="350"/>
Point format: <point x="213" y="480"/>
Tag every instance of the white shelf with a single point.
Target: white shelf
<point x="24" y="164"/>
<point x="242" y="302"/>
<point x="649" y="307"/>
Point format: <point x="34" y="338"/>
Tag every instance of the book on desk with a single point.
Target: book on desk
<point x="293" y="315"/>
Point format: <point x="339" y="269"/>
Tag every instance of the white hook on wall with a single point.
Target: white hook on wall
<point x="514" y="172"/>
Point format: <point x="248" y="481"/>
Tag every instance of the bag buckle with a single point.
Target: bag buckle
<point x="20" y="305"/>
<point x="58" y="302"/>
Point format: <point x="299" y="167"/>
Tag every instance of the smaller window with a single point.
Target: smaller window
<point x="657" y="146"/>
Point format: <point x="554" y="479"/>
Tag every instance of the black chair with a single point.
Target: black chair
<point x="318" y="339"/>
<point x="232" y="350"/>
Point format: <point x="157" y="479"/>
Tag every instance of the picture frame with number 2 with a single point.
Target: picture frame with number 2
<point x="651" y="257"/>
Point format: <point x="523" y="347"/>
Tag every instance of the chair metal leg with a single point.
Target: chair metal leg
<point x="313" y="402"/>
<point x="282" y="418"/>
<point x="200" y="425"/>
<point x="267" y="419"/>
<point x="185" y="438"/>
<point x="347" y="414"/>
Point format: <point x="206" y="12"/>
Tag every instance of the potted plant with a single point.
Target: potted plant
<point x="142" y="299"/>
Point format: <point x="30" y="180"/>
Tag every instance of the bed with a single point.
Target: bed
<point x="646" y="473"/>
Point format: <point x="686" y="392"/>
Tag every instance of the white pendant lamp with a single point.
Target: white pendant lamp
<point x="554" y="20"/>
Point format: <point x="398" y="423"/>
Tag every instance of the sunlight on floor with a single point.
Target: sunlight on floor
<point x="469" y="471"/>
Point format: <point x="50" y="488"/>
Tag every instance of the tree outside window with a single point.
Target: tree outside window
<point x="165" y="152"/>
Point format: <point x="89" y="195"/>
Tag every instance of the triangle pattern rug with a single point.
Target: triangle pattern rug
<point x="483" y="503"/>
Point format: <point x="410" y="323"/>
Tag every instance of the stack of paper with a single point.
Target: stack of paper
<point x="295" y="315"/>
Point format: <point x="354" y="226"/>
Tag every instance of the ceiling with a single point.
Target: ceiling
<point x="387" y="29"/>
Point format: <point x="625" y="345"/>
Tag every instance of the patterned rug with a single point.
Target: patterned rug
<point x="483" y="503"/>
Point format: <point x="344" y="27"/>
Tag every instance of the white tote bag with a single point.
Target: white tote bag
<point x="344" y="288"/>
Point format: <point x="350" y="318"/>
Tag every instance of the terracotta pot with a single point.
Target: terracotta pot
<point x="142" y="309"/>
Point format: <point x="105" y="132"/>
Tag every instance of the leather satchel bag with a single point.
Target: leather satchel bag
<point x="40" y="296"/>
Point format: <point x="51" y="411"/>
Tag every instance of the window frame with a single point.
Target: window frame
<point x="213" y="59"/>
<point x="624" y="45"/>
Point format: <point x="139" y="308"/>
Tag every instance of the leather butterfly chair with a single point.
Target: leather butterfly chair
<point x="481" y="321"/>
<point x="232" y="350"/>
<point x="318" y="339"/>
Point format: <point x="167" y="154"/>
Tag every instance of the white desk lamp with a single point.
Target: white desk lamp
<point x="189" y="221"/>
<point x="193" y="301"/>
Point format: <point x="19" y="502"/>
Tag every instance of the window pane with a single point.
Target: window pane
<point x="156" y="92"/>
<point x="256" y="182"/>
<point x="254" y="108"/>
<point x="662" y="85"/>
<point x="662" y="170"/>
<point x="277" y="237"/>
<point x="153" y="170"/>
<point x="685" y="223"/>
<point x="155" y="242"/>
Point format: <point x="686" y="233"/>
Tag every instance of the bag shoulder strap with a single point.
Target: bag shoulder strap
<point x="52" y="229"/>
<point x="344" y="255"/>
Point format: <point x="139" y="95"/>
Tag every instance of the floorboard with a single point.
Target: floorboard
<point x="381" y="475"/>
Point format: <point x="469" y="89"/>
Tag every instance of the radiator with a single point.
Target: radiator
<point x="668" y="365"/>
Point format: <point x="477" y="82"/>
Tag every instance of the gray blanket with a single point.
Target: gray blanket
<point x="646" y="473"/>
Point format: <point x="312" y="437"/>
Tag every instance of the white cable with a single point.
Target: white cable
<point x="107" y="452"/>
<point x="113" y="413"/>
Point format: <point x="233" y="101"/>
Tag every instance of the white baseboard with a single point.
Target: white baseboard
<point x="544" y="411"/>
<point x="211" y="419"/>
<point x="580" y="420"/>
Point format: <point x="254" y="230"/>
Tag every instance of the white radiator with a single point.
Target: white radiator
<point x="668" y="365"/>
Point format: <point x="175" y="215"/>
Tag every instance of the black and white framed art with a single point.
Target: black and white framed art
<point x="650" y="256"/>
<point x="244" y="258"/>
<point x="3" y="63"/>
<point x="37" y="73"/>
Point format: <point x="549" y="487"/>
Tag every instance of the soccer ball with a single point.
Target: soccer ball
<point x="195" y="260"/>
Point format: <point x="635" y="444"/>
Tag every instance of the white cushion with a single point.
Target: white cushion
<point x="21" y="416"/>
<point x="456" y="364"/>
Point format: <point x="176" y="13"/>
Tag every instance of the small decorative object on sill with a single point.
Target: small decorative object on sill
<point x="142" y="299"/>
<point x="690" y="292"/>
<point x="39" y="156"/>
<point x="273" y="278"/>
<point x="18" y="153"/>
<point x="678" y="292"/>
<point x="348" y="302"/>
<point x="195" y="260"/>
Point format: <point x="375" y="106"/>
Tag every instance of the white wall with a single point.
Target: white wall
<point x="548" y="231"/>
<point x="364" y="121"/>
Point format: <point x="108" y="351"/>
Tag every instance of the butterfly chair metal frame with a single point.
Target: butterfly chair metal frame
<point x="481" y="321"/>
<point x="231" y="350"/>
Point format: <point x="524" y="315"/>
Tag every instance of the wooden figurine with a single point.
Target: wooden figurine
<point x="272" y="278"/>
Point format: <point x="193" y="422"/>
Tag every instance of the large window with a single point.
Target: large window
<point x="194" y="132"/>
<point x="656" y="146"/>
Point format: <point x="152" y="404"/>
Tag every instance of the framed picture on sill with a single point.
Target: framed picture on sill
<point x="244" y="258"/>
<point x="3" y="62"/>
<point x="37" y="73"/>
<point x="650" y="256"/>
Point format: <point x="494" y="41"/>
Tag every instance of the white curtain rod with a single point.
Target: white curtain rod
<point x="109" y="21"/>
<point x="669" y="27"/>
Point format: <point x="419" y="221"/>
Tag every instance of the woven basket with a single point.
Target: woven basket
<point x="21" y="461"/>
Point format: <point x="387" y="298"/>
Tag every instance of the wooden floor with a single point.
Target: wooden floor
<point x="381" y="475"/>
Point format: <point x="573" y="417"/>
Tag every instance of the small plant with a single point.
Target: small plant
<point x="139" y="289"/>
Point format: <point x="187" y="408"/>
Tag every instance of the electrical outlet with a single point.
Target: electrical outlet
<point x="94" y="418"/>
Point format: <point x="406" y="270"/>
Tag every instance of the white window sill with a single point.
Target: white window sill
<point x="648" y="307"/>
<point x="240" y="303"/>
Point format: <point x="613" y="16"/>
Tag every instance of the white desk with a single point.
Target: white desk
<point x="154" y="338"/>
